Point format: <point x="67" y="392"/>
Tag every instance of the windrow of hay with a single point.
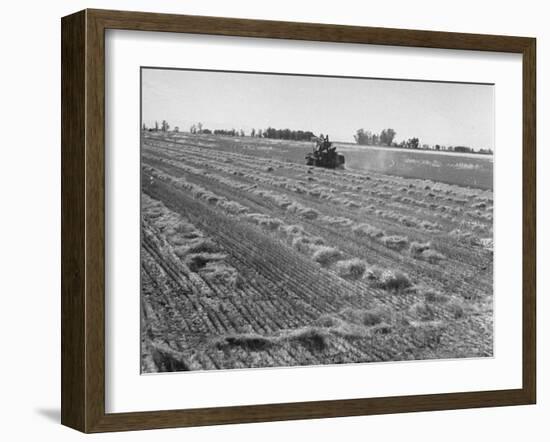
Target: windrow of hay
<point x="432" y="256"/>
<point x="221" y="273"/>
<point x="427" y="225"/>
<point x="196" y="261"/>
<point x="183" y="227"/>
<point x="416" y="248"/>
<point x="326" y="255"/>
<point x="368" y="231"/>
<point x="329" y="321"/>
<point x="395" y="242"/>
<point x="292" y="230"/>
<point x="389" y="279"/>
<point x="181" y="233"/>
<point x="201" y="255"/>
<point x="337" y="221"/>
<point x="264" y="221"/>
<point x="369" y="317"/>
<point x="313" y="338"/>
<point x="167" y="359"/>
<point x="481" y="205"/>
<point x="352" y="204"/>
<point x="233" y="207"/>
<point x="424" y="252"/>
<point x="302" y="211"/>
<point x="202" y="246"/>
<point x="339" y="327"/>
<point x="315" y="247"/>
<point x="351" y="268"/>
<point x="247" y="341"/>
<point x="306" y="244"/>
<point x="199" y="192"/>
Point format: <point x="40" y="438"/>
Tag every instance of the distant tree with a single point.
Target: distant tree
<point x="364" y="137"/>
<point x="285" y="134"/>
<point x="360" y="137"/>
<point x="227" y="133"/>
<point x="386" y="136"/>
<point x="206" y="131"/>
<point x="165" y="126"/>
<point x="156" y="126"/>
<point x="253" y="132"/>
<point x="463" y="149"/>
<point x="199" y="126"/>
<point x="412" y="143"/>
<point x="144" y="127"/>
<point x="242" y="133"/>
<point x="367" y="138"/>
<point x="176" y="129"/>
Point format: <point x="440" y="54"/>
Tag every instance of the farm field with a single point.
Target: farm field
<point x="252" y="259"/>
<point x="468" y="170"/>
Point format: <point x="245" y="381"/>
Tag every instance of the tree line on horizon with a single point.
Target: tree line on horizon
<point x="270" y="132"/>
<point x="362" y="137"/>
<point x="387" y="136"/>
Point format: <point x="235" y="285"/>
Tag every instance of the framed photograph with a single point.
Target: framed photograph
<point x="266" y="221"/>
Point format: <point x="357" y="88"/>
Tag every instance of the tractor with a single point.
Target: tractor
<point x="324" y="154"/>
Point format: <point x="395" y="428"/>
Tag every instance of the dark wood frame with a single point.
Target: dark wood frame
<point x="83" y="216"/>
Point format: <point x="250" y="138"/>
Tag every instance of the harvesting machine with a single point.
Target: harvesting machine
<point x="325" y="155"/>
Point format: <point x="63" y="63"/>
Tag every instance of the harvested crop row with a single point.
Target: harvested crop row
<point x="393" y="242"/>
<point x="252" y="187"/>
<point x="352" y="200"/>
<point x="330" y="257"/>
<point x="392" y="185"/>
<point x="242" y="185"/>
<point x="259" y="207"/>
<point x="383" y="284"/>
<point x="443" y="210"/>
<point x="213" y="318"/>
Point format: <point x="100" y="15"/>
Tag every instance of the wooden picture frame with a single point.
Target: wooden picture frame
<point x="83" y="220"/>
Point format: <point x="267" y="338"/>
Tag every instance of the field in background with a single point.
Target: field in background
<point x="252" y="259"/>
<point x="469" y="170"/>
<point x="465" y="170"/>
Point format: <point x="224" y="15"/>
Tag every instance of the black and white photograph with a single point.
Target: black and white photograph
<point x="302" y="220"/>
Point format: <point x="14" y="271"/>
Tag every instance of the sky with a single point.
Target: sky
<point x="436" y="113"/>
